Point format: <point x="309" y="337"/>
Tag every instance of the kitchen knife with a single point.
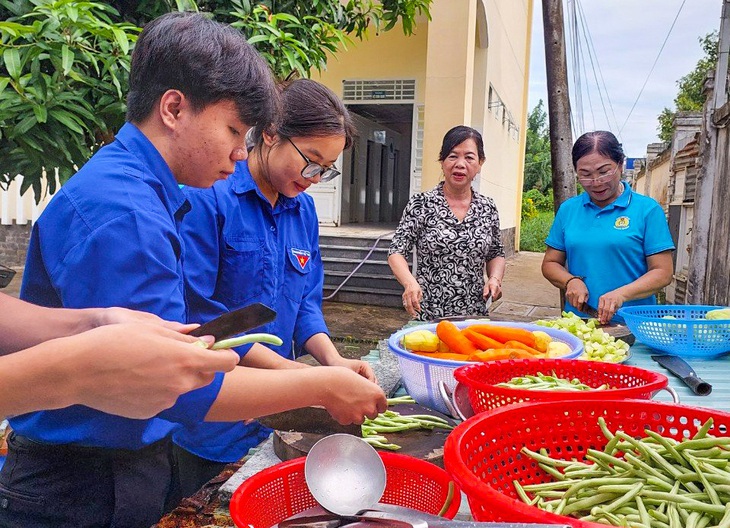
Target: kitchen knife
<point x="236" y="322"/>
<point x="308" y="420"/>
<point x="680" y="368"/>
<point x="391" y="516"/>
<point x="590" y="311"/>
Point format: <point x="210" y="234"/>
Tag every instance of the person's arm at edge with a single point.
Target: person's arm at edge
<point x="132" y="370"/>
<point x="29" y="324"/>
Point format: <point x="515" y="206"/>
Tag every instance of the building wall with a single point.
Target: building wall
<point x="658" y="179"/>
<point x="455" y="57"/>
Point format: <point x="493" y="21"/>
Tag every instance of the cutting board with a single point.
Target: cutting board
<point x="621" y="332"/>
<point x="423" y="444"/>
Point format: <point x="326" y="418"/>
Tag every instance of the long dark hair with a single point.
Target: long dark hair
<point x="601" y="141"/>
<point x="309" y="109"/>
<point x="207" y="61"/>
<point x="457" y="136"/>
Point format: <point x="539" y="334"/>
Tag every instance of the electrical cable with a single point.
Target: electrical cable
<point x="597" y="67"/>
<point x="653" y="65"/>
<point x="360" y="264"/>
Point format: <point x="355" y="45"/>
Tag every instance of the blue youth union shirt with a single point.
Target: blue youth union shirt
<point x="609" y="245"/>
<point x="240" y="250"/>
<point x="110" y="238"/>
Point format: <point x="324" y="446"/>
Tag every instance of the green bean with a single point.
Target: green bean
<point x="643" y="514"/>
<point x="246" y="339"/>
<point x="401" y="399"/>
<point x="702" y="431"/>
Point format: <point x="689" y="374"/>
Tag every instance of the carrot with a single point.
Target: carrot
<point x="494" y="354"/>
<point x="491" y="354"/>
<point x="516" y="344"/>
<point x="444" y="355"/>
<point x="454" y="339"/>
<point x="480" y="341"/>
<point x="505" y="333"/>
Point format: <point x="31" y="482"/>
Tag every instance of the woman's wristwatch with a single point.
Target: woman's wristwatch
<point x="565" y="287"/>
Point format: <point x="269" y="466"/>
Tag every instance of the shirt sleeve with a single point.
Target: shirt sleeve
<point x="657" y="237"/>
<point x="124" y="263"/>
<point x="310" y="320"/>
<point x="408" y="229"/>
<point x="556" y="236"/>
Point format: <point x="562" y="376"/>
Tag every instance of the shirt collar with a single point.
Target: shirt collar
<point x="136" y="143"/>
<point x="623" y="200"/>
<point x="243" y="182"/>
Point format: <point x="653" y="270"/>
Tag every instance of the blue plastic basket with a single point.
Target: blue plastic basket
<point x="678" y="329"/>
<point x="421" y="375"/>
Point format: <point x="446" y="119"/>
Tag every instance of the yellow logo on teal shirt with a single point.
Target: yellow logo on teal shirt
<point x="622" y="222"/>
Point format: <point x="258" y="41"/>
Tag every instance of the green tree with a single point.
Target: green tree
<point x="690" y="96"/>
<point x="538" y="173"/>
<point x="62" y="78"/>
<point x="65" y="63"/>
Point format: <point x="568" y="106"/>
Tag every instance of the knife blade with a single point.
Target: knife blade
<point x="236" y="322"/>
<point x="680" y="368"/>
<point x="590" y="311"/>
<point x="308" y="420"/>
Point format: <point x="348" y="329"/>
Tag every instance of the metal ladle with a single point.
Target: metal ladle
<point x="347" y="477"/>
<point x="344" y="474"/>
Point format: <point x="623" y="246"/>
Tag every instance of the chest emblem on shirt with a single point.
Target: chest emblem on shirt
<point x="622" y="222"/>
<point x="302" y="256"/>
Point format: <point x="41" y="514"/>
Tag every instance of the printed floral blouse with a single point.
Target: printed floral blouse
<point x="450" y="254"/>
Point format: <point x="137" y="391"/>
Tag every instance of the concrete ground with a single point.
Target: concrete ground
<point x="356" y="328"/>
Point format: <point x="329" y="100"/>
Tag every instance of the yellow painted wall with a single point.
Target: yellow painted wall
<point x="507" y="71"/>
<point x="658" y="180"/>
<point x="389" y="55"/>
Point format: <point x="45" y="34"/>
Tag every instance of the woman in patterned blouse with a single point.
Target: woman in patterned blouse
<point x="456" y="233"/>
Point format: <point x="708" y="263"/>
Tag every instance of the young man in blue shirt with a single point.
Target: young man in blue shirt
<point x="110" y="237"/>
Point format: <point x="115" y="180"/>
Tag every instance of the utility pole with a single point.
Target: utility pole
<point x="561" y="137"/>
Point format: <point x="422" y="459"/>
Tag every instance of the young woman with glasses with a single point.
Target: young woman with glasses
<point x="608" y="246"/>
<point x="255" y="238"/>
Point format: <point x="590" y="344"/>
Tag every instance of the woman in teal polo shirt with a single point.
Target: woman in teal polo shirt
<point x="608" y="246"/>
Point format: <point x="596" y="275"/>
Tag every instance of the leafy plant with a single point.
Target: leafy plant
<point x="534" y="231"/>
<point x="538" y="171"/>
<point x="691" y="96"/>
<point x="65" y="64"/>
<point x="62" y="79"/>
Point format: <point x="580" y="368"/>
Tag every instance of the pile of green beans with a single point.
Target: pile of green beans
<point x="654" y="482"/>
<point x="543" y="382"/>
<point x="393" y="422"/>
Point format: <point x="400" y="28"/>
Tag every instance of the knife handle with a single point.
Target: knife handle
<point x="698" y="385"/>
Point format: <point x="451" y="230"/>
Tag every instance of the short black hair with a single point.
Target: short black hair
<point x="207" y="61"/>
<point x="457" y="136"/>
<point x="310" y="109"/>
<point x="601" y="141"/>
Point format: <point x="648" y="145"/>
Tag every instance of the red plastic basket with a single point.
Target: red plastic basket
<point x="483" y="453"/>
<point x="627" y="381"/>
<point x="276" y="493"/>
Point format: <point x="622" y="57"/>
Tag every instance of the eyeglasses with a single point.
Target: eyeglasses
<point x="603" y="177"/>
<point x="312" y="169"/>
